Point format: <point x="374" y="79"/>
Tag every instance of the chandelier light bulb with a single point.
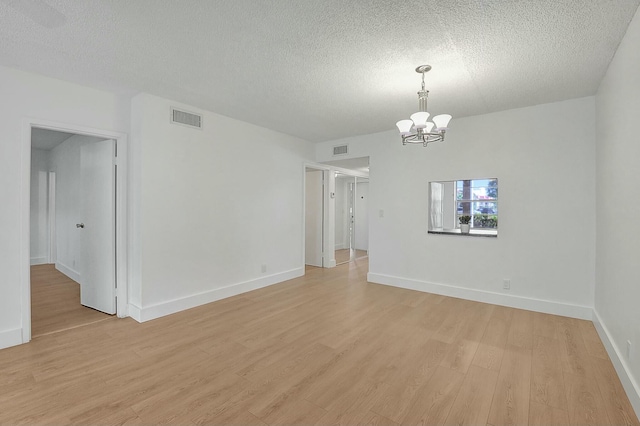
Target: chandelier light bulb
<point x="441" y="121"/>
<point x="404" y="126"/>
<point x="420" y="119"/>
<point x="430" y="127"/>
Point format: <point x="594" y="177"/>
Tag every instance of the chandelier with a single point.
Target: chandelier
<point x="418" y="129"/>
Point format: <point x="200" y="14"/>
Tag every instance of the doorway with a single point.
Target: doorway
<point x="351" y="177"/>
<point x="72" y="175"/>
<point x="351" y="217"/>
<point x="336" y="212"/>
<point x="314" y="217"/>
<point x="64" y="164"/>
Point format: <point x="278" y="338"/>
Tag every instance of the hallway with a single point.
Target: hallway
<point x="55" y="303"/>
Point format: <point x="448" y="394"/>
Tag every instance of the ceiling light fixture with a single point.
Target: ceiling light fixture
<point x="418" y="129"/>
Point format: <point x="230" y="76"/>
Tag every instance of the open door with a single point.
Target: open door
<point x="97" y="226"/>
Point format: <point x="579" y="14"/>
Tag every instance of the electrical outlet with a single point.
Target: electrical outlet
<point x="506" y="284"/>
<point x="628" y="349"/>
<point x="264" y="267"/>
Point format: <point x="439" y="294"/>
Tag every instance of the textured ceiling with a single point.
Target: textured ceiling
<point x="322" y="69"/>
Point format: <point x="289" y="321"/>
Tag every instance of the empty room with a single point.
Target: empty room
<point x="313" y="213"/>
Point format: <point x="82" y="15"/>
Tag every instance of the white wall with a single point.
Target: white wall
<point x="39" y="207"/>
<point x="617" y="293"/>
<point x="210" y="207"/>
<point x="544" y="159"/>
<point x="28" y="95"/>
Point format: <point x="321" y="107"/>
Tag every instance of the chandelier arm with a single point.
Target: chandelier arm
<point x="422" y="138"/>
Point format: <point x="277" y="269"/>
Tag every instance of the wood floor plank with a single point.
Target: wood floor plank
<point x="616" y="402"/>
<point x="510" y="405"/>
<point x="373" y="419"/>
<point x="55" y="302"/>
<point x="521" y="330"/>
<point x="326" y="348"/>
<point x="407" y="383"/>
<point x="574" y="356"/>
<point x="460" y="355"/>
<point x="488" y="356"/>
<point x="547" y="383"/>
<point x="585" y="404"/>
<point x="546" y="415"/>
<point x="473" y="402"/>
<point x="592" y="341"/>
<point x="433" y="401"/>
<point x="356" y="406"/>
<point x="544" y="325"/>
<point x="458" y="313"/>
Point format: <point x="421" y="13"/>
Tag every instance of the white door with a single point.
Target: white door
<point x="313" y="217"/>
<point x="97" y="227"/>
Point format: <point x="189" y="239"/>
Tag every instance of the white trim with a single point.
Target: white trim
<point x="323" y="169"/>
<point x="121" y="212"/>
<point x="147" y="313"/>
<point x="10" y="338"/>
<point x="530" y="304"/>
<point x="38" y="260"/>
<point x="629" y="384"/>
<point x="135" y="312"/>
<point x="68" y="271"/>
<point x="51" y="218"/>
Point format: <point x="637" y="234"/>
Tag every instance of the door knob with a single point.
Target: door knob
<point x="79" y="225"/>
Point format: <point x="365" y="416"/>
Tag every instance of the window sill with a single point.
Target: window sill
<point x="491" y="233"/>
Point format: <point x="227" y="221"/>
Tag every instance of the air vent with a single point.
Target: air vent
<point x="186" y="118"/>
<point x="341" y="150"/>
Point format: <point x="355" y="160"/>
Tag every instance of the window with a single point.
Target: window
<point x="473" y="199"/>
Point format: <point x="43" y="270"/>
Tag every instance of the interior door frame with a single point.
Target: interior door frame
<point x="328" y="217"/>
<point x="52" y="252"/>
<point x="304" y="212"/>
<point x="327" y="262"/>
<point x="121" y="258"/>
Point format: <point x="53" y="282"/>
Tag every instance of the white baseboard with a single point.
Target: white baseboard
<point x="10" y="338"/>
<point x="537" y="305"/>
<point x="71" y="273"/>
<point x="38" y="261"/>
<point x="619" y="363"/>
<point x="341" y="246"/>
<point x="147" y="313"/>
<point x="135" y="312"/>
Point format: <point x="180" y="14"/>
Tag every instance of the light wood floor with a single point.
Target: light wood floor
<point x="344" y="255"/>
<point x="327" y="348"/>
<point x="55" y="302"/>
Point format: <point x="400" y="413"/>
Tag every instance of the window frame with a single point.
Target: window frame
<point x="457" y="202"/>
